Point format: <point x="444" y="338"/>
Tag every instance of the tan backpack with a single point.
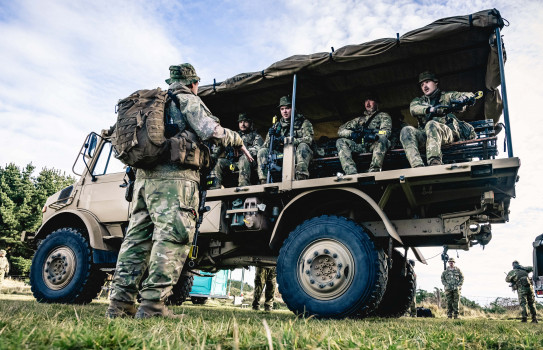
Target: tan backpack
<point x="139" y="136"/>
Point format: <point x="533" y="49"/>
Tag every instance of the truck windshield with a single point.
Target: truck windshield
<point x="106" y="162"/>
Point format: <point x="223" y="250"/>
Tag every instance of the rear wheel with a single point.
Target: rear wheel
<point x="198" y="300"/>
<point x="400" y="289"/>
<point x="329" y="267"/>
<point x="180" y="292"/>
<point x="62" y="270"/>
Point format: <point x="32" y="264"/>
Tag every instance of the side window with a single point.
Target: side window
<point x="107" y="163"/>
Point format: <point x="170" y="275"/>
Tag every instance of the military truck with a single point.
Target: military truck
<point x="538" y="266"/>
<point x="340" y="243"/>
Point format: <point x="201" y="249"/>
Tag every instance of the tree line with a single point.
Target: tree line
<point x="22" y="197"/>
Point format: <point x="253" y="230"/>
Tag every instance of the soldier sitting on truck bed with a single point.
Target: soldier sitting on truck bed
<point x="230" y="158"/>
<point x="367" y="133"/>
<point x="302" y="140"/>
<point x="436" y="127"/>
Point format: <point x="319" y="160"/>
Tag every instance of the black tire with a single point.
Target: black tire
<point x="400" y="288"/>
<point x="330" y="268"/>
<point x="180" y="292"/>
<point x="198" y="300"/>
<point x="62" y="270"/>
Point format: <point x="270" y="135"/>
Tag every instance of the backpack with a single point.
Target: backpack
<point x="138" y="138"/>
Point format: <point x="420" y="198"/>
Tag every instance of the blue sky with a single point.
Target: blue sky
<point x="64" y="65"/>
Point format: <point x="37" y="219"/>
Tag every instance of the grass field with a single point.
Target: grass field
<point x="24" y="323"/>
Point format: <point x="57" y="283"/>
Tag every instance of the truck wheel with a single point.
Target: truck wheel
<point x="62" y="270"/>
<point x="198" y="300"/>
<point x="329" y="267"/>
<point x="180" y="292"/>
<point x="400" y="289"/>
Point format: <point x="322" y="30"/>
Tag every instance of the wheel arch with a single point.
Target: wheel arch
<point x="85" y="221"/>
<point x="302" y="207"/>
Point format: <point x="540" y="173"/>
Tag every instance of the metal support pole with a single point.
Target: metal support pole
<point x="293" y="112"/>
<point x="504" y="95"/>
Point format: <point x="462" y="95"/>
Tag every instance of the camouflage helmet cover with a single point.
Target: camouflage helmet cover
<point x="243" y="117"/>
<point x="183" y="73"/>
<point x="427" y="75"/>
<point x="451" y="260"/>
<point x="285" y="101"/>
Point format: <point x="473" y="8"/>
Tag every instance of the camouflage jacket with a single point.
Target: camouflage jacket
<point x="303" y="131"/>
<point x="519" y="276"/>
<point x="4" y="264"/>
<point x="252" y="140"/>
<point x="419" y="106"/>
<point x="381" y="121"/>
<point x="452" y="278"/>
<point x="194" y="114"/>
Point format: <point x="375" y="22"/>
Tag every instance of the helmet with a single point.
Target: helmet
<point x="515" y="263"/>
<point x="427" y="75"/>
<point x="244" y="117"/>
<point x="183" y="73"/>
<point x="371" y="95"/>
<point x="285" y="101"/>
<point x="451" y="260"/>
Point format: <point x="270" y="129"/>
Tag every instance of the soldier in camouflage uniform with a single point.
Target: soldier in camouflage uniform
<point x="435" y="127"/>
<point x="351" y="139"/>
<point x="252" y="140"/>
<point x="265" y="276"/>
<point x="519" y="279"/>
<point x="303" y="141"/>
<point x="4" y="266"/>
<point x="452" y="279"/>
<point x="163" y="217"/>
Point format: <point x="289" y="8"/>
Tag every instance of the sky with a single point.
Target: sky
<point x="65" y="64"/>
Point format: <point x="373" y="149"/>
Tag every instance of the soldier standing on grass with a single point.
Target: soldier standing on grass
<point x="164" y="210"/>
<point x="352" y="140"/>
<point x="436" y="126"/>
<point x="4" y="266"/>
<point x="264" y="276"/>
<point x="519" y="279"/>
<point x="452" y="279"/>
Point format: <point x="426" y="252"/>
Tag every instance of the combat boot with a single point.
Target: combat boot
<point x="256" y="307"/>
<point x="267" y="308"/>
<point x="374" y="170"/>
<point x="154" y="308"/>
<point x="119" y="308"/>
<point x="524" y="320"/>
<point x="301" y="176"/>
<point x="534" y="320"/>
<point x="263" y="181"/>
<point x="435" y="161"/>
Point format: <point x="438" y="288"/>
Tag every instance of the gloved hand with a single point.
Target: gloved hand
<point x="280" y="140"/>
<point x="435" y="110"/>
<point x="272" y="132"/>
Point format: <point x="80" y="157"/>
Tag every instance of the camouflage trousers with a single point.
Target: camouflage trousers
<point x="303" y="156"/>
<point x="224" y="165"/>
<point x="435" y="135"/>
<point x="453" y="301"/>
<point x="526" y="296"/>
<point x="265" y="276"/>
<point x="345" y="147"/>
<point x="161" y="228"/>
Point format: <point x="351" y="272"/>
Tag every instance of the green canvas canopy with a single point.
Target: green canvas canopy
<point x="461" y="50"/>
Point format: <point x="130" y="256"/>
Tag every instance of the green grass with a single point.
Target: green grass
<point x="24" y="323"/>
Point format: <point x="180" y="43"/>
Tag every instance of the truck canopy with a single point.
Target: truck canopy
<point x="461" y="51"/>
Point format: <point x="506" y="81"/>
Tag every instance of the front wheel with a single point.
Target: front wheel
<point x="62" y="270"/>
<point x="329" y="267"/>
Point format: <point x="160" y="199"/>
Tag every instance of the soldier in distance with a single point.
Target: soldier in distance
<point x="520" y="280"/>
<point x="452" y="279"/>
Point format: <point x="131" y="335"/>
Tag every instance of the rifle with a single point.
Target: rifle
<point x="129" y="185"/>
<point x="455" y="106"/>
<point x="368" y="135"/>
<point x="202" y="209"/>
<point x="272" y="157"/>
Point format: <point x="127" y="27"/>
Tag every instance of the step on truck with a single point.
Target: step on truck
<point x="341" y="243"/>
